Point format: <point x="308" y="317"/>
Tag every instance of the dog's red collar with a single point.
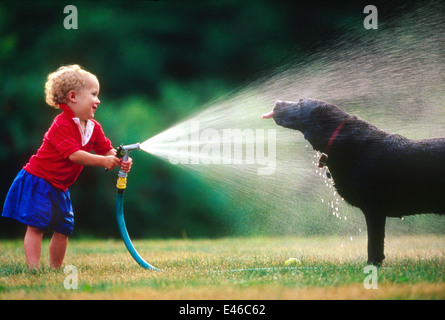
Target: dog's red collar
<point x="324" y="155"/>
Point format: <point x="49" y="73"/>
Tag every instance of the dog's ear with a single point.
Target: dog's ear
<point x="315" y="135"/>
<point x="308" y="135"/>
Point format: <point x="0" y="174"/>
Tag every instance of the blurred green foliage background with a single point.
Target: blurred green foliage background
<point x="157" y="62"/>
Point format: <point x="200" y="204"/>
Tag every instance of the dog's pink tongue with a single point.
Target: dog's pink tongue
<point x="267" y="115"/>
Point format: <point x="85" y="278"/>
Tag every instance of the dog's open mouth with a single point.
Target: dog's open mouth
<point x="267" y="115"/>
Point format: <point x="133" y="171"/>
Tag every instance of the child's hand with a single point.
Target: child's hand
<point x="126" y="165"/>
<point x="111" y="162"/>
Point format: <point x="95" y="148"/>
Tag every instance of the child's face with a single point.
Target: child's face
<point x="85" y="101"/>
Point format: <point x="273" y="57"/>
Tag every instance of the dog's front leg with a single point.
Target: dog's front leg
<point x="376" y="237"/>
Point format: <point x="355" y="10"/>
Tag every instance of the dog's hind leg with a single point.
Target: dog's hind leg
<point x="376" y="237"/>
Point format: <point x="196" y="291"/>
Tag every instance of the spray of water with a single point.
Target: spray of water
<point x="393" y="77"/>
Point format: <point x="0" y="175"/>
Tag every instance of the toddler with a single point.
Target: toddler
<point x="39" y="195"/>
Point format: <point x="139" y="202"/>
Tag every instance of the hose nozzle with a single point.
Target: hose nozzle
<point x="123" y="152"/>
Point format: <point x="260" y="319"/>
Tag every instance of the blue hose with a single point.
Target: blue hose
<point x="126" y="237"/>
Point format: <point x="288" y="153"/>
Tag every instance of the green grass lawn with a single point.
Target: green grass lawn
<point x="231" y="268"/>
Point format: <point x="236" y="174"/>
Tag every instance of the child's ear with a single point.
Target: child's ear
<point x="72" y="96"/>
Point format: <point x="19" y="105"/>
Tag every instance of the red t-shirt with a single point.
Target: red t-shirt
<point x="63" y="138"/>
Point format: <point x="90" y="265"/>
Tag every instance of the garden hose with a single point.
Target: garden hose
<point x="122" y="152"/>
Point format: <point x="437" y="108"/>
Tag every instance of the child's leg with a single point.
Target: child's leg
<point x="33" y="246"/>
<point x="57" y="249"/>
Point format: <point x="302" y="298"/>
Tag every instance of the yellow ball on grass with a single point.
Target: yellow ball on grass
<point x="292" y="262"/>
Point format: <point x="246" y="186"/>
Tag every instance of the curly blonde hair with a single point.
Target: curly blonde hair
<point x="62" y="81"/>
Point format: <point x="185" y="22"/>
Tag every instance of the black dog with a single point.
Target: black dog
<point x="383" y="174"/>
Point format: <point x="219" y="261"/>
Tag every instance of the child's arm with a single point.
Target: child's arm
<point x="108" y="160"/>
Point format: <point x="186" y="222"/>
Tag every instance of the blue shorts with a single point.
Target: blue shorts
<point x="35" y="202"/>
